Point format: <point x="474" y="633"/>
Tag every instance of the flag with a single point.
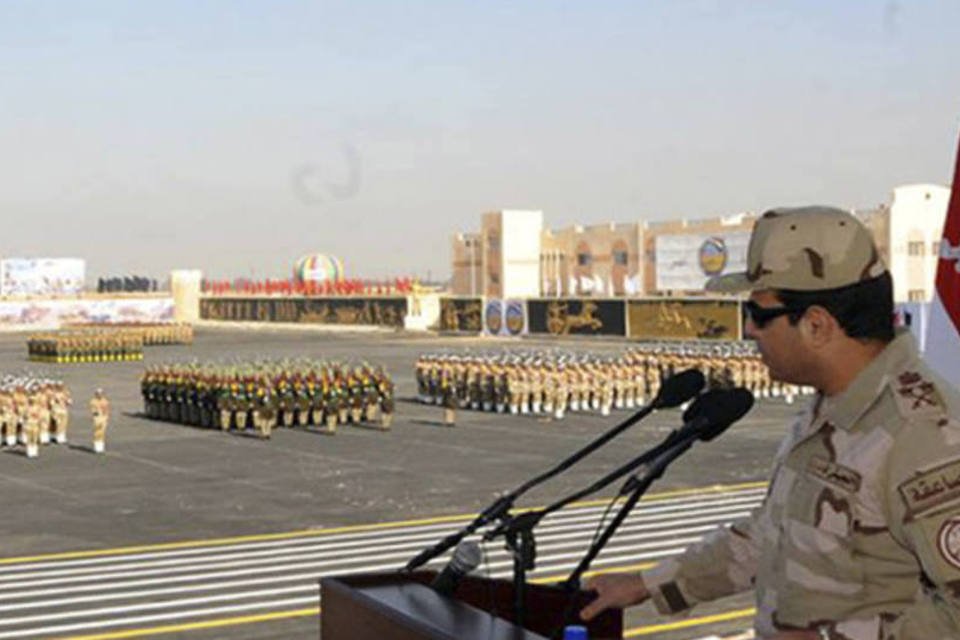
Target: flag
<point x="943" y="327"/>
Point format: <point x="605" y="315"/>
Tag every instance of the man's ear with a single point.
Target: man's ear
<point x="818" y="327"/>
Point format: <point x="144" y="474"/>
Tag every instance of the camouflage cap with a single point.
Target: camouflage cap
<point x="805" y="249"/>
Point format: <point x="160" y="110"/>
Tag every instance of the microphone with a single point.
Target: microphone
<point x="711" y="414"/>
<point x="674" y="391"/>
<point x="714" y="411"/>
<point x="679" y="388"/>
<point x="466" y="558"/>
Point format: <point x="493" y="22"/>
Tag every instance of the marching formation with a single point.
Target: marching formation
<point x="85" y="345"/>
<point x="267" y="394"/>
<point x="33" y="412"/>
<point x="552" y="382"/>
<point x="153" y="334"/>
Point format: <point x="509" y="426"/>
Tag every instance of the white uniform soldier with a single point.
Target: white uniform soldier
<point x="100" y="410"/>
<point x="859" y="535"/>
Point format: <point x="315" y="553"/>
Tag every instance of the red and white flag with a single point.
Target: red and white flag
<point x="942" y="348"/>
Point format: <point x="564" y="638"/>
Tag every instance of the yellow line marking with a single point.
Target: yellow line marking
<point x="690" y="622"/>
<point x="196" y="626"/>
<point x="214" y="542"/>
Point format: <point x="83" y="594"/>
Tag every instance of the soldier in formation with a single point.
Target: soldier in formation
<point x="100" y="411"/>
<point x="553" y="382"/>
<point x="264" y="395"/>
<point x="33" y="412"/>
<point x="88" y="345"/>
<point x="152" y="333"/>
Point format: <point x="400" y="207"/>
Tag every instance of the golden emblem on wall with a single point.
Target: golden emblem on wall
<point x="694" y="319"/>
<point x="561" y="322"/>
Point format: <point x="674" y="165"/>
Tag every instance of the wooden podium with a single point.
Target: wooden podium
<point x="399" y="606"/>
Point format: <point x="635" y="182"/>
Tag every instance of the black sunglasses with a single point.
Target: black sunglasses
<point x="762" y="316"/>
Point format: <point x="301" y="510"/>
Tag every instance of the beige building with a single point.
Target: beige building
<point x="515" y="256"/>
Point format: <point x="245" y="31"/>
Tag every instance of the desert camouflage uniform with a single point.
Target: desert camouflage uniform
<point x="860" y="529"/>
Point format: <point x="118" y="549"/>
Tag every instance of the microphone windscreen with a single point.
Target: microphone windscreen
<point x="717" y="409"/>
<point x="466" y="557"/>
<point x="679" y="388"/>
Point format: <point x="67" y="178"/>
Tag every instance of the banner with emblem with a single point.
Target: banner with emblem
<point x="685" y="261"/>
<point x="504" y="317"/>
<point x="943" y="331"/>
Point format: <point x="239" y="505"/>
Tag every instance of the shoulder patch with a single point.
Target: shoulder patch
<point x="931" y="489"/>
<point x="948" y="542"/>
<point x="916" y="396"/>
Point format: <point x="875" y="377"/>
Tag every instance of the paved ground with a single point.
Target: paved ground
<point x="166" y="483"/>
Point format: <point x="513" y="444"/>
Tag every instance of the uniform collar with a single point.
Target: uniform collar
<point x="844" y="409"/>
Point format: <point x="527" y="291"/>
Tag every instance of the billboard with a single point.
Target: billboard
<point x="572" y="316"/>
<point x="385" y="312"/>
<point x="41" y="276"/>
<point x="684" y="262"/>
<point x="50" y="314"/>
<point x="669" y="319"/>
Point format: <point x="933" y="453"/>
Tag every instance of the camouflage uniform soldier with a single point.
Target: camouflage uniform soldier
<point x="315" y="395"/>
<point x="21" y="403"/>
<point x="60" y="412"/>
<point x="331" y="403"/>
<point x="8" y="417"/>
<point x="449" y="400"/>
<point x="42" y="394"/>
<point x="265" y="408"/>
<point x="100" y="409"/>
<point x="385" y="386"/>
<point x="859" y="535"/>
<point x="31" y="426"/>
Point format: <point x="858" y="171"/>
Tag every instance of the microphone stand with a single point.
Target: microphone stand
<point x="637" y="485"/>
<point x="529" y="519"/>
<point x="499" y="508"/>
<point x="518" y="530"/>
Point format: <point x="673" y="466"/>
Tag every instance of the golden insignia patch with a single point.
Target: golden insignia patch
<point x="931" y="489"/>
<point x="835" y="474"/>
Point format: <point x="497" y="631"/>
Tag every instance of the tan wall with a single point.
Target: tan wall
<point x="467" y="252"/>
<point x="561" y="248"/>
<point x="491" y="229"/>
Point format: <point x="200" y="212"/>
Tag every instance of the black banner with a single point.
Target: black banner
<point x="577" y="316"/>
<point x="385" y="312"/>
<point x="461" y="314"/>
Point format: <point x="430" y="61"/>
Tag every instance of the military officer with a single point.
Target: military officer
<point x="859" y="535"/>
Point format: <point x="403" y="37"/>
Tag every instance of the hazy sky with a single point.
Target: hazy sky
<point x="234" y="136"/>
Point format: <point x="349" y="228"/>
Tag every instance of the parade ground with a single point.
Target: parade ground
<point x="179" y="531"/>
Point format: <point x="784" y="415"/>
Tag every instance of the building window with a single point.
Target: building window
<point x="917" y="295"/>
<point x="620" y="257"/>
<point x="915" y="248"/>
<point x="584" y="259"/>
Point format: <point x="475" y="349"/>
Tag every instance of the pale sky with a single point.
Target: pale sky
<point x="235" y="136"/>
